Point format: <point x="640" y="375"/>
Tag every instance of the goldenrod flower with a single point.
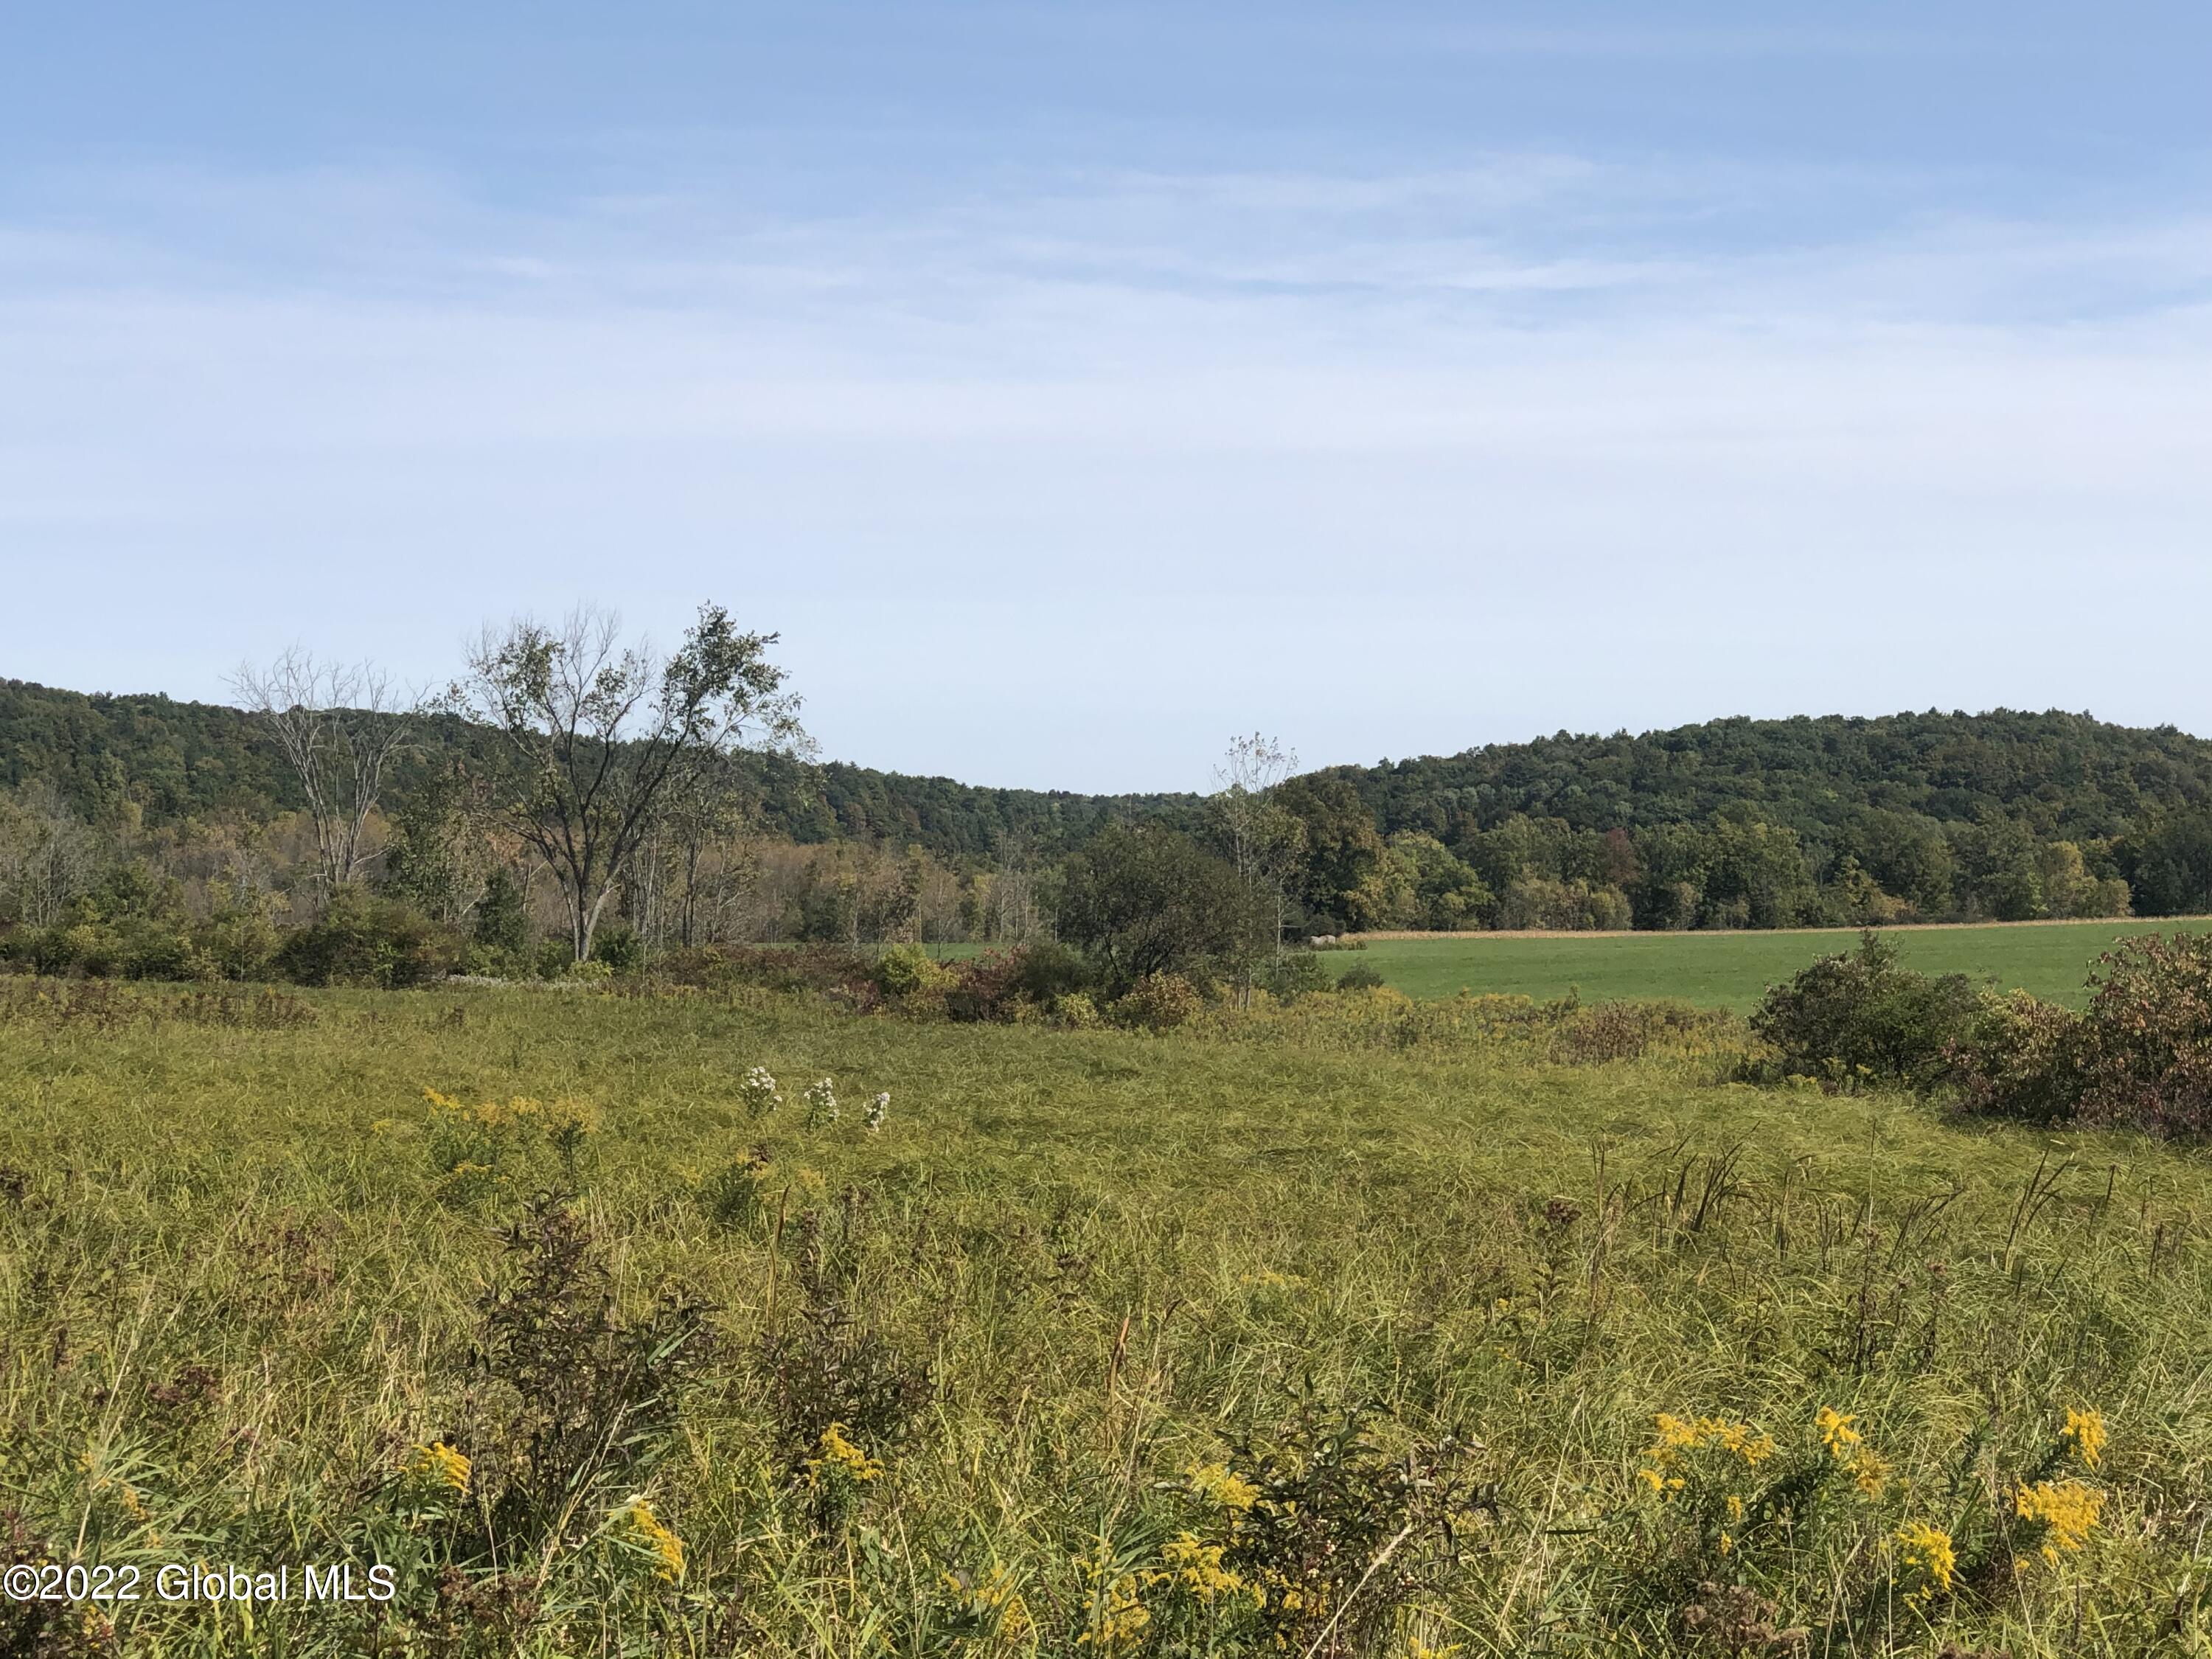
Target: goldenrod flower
<point x="438" y="1465"/>
<point x="840" y="1456"/>
<point x="1871" y="1472"/>
<point x="2068" y="1509"/>
<point x="1197" y="1567"/>
<point x="1837" y="1433"/>
<point x="2086" y="1431"/>
<point x="1680" y="1436"/>
<point x="1223" y="1488"/>
<point x="1119" y="1617"/>
<point x="1927" y="1550"/>
<point x="648" y="1529"/>
<point x="992" y="1600"/>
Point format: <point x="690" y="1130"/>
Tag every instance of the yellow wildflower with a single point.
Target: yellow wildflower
<point x="840" y="1456"/>
<point x="1871" y="1472"/>
<point x="1197" y="1567"/>
<point x="2086" y="1431"/>
<point x="438" y="1465"/>
<point x="1119" y="1617"/>
<point x="2068" y="1509"/>
<point x="1223" y="1488"/>
<point x="1679" y="1437"/>
<point x="648" y="1529"/>
<point x="1927" y="1550"/>
<point x="992" y="1600"/>
<point x="1837" y="1433"/>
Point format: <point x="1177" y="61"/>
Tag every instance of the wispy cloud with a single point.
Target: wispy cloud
<point x="1539" y="392"/>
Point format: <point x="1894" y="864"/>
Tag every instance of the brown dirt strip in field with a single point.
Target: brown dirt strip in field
<point x="1770" y="933"/>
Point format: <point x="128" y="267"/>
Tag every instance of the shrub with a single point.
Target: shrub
<point x="1313" y="1519"/>
<point x="361" y="940"/>
<point x="1292" y="975"/>
<point x="2148" y="1036"/>
<point x="1359" y="977"/>
<point x="502" y="918"/>
<point x="908" y="975"/>
<point x="1007" y="985"/>
<point x="1862" y="1015"/>
<point x="1078" y="1012"/>
<point x="620" y="948"/>
<point x="2021" y="1058"/>
<point x="1159" y="1002"/>
<point x="2141" y="1055"/>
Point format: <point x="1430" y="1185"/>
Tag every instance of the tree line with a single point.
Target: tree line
<point x="573" y="795"/>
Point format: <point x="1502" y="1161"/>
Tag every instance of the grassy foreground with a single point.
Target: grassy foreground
<point x="1733" y="970"/>
<point x="1030" y="1369"/>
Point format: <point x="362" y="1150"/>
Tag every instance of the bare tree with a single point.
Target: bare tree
<point x="47" y="857"/>
<point x="338" y="726"/>
<point x="1265" y="841"/>
<point x="601" y="731"/>
<point x="1010" y="909"/>
<point x="708" y="811"/>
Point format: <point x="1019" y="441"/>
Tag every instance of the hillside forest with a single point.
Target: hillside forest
<point x="575" y="796"/>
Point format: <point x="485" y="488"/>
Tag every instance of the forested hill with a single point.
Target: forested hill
<point x="170" y="761"/>
<point x="2057" y="776"/>
<point x="2061" y="776"/>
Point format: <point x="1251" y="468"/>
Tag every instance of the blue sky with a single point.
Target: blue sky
<point x="1074" y="385"/>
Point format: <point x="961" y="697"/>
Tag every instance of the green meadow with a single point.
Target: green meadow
<point x="1733" y="970"/>
<point x="1367" y="1332"/>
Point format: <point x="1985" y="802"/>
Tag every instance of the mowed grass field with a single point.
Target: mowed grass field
<point x="599" y="1355"/>
<point x="1733" y="970"/>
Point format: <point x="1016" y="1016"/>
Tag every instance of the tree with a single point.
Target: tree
<point x="1264" y="840"/>
<point x="1343" y="871"/>
<point x="2169" y="864"/>
<point x="600" y="732"/>
<point x="337" y="726"/>
<point x="708" y="811"/>
<point x="46" y="857"/>
<point x="1151" y="900"/>
<point x="502" y="918"/>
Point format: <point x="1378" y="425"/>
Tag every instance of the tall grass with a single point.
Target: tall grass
<point x="1061" y="1359"/>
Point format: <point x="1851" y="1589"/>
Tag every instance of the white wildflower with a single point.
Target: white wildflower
<point x="821" y="1104"/>
<point x="757" y="1093"/>
<point x="878" y="1109"/>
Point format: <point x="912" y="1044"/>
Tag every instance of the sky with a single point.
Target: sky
<point x="1073" y="387"/>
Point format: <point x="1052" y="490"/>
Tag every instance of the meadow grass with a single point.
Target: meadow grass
<point x="1733" y="969"/>
<point x="257" y="1289"/>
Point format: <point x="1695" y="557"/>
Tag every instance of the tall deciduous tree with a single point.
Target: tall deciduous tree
<point x="1265" y="842"/>
<point x="338" y="726"/>
<point x="601" y="731"/>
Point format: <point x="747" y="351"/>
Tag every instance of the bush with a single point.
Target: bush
<point x="502" y="919"/>
<point x="361" y="940"/>
<point x="1862" y="1016"/>
<point x="2020" y="1058"/>
<point x="1292" y="974"/>
<point x="2146" y="1056"/>
<point x="620" y="948"/>
<point x="1359" y="977"/>
<point x="1078" y="1012"/>
<point x="1159" y="1002"/>
<point x="1151" y="900"/>
<point x="1009" y="984"/>
<point x="2141" y="1055"/>
<point x="908" y="975"/>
